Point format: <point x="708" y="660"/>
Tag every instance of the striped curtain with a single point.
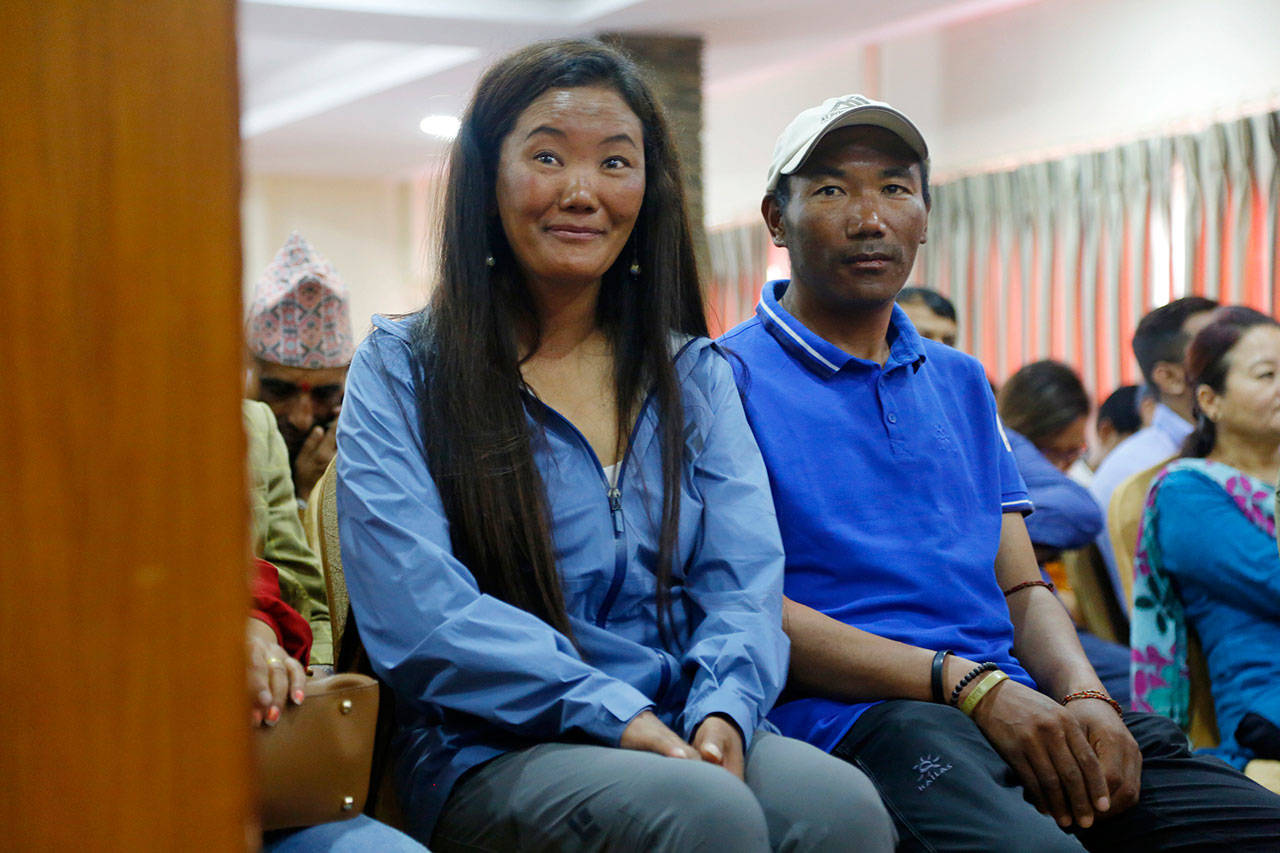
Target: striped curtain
<point x="1061" y="259"/>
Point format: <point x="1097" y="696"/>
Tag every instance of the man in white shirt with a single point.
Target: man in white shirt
<point x="1160" y="345"/>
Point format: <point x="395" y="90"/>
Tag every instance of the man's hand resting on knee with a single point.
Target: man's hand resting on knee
<point x="1116" y="749"/>
<point x="1077" y="764"/>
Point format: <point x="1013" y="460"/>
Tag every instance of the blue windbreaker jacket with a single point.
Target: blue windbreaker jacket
<point x="476" y="677"/>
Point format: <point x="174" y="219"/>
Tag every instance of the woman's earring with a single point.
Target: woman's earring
<point x="635" y="269"/>
<point x="488" y="261"/>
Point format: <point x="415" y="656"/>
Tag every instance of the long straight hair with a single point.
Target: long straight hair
<point x="469" y="388"/>
<point x="1208" y="362"/>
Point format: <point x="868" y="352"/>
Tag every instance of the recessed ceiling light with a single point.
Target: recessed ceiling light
<point x="445" y="127"/>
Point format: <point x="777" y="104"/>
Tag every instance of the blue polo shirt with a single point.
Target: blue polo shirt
<point x="889" y="485"/>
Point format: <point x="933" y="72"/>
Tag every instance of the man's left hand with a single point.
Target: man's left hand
<point x="1116" y="749"/>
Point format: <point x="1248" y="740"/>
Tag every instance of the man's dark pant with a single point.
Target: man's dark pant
<point x="948" y="789"/>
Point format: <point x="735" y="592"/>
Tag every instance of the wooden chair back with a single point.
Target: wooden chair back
<point x="1101" y="611"/>
<point x="1124" y="517"/>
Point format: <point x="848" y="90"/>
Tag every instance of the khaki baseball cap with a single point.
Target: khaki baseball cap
<point x="807" y="129"/>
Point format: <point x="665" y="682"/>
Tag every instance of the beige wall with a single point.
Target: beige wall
<point x="371" y="230"/>
<point x="1027" y="83"/>
<point x="744" y="118"/>
<point x="1020" y="84"/>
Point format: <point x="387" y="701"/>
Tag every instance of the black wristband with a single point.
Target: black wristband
<point x="935" y="676"/>
<point x="973" y="673"/>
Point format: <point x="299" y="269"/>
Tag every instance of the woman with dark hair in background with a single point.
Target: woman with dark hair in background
<point x="1044" y="408"/>
<point x="1207" y="553"/>
<point x="557" y="529"/>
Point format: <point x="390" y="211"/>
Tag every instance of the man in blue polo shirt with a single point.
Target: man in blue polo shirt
<point x="910" y="576"/>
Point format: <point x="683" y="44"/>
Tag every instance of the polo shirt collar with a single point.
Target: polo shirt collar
<point x="820" y="355"/>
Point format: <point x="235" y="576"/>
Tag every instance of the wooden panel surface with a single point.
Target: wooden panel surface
<point x="122" y="568"/>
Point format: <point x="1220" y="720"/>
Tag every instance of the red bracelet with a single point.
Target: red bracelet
<point x="1093" y="694"/>
<point x="1021" y="586"/>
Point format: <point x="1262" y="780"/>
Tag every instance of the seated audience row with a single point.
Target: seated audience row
<point x="555" y="524"/>
<point x="574" y="529"/>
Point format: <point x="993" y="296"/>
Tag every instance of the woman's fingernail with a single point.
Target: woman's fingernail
<point x="273" y="716"/>
<point x="298" y="696"/>
<point x="714" y="751"/>
<point x="1104" y="804"/>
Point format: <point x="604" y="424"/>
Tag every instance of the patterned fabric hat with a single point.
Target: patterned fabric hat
<point x="299" y="316"/>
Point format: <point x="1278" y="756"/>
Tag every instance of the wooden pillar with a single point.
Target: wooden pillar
<point x="122" y="501"/>
<point x="673" y="65"/>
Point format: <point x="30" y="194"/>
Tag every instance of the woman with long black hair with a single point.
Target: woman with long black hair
<point x="557" y="530"/>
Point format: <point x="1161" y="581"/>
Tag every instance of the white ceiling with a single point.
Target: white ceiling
<point x="337" y="87"/>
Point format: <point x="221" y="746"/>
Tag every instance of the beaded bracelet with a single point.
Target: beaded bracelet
<point x="935" y="675"/>
<point x="1021" y="586"/>
<point x="1093" y="694"/>
<point x="981" y="689"/>
<point x="973" y="673"/>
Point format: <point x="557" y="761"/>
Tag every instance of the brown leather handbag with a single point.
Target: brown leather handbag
<point x="313" y="766"/>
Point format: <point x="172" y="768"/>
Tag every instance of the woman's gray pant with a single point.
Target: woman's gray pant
<point x="570" y="797"/>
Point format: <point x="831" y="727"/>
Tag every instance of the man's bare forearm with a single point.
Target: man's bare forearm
<point x="1044" y="638"/>
<point x="835" y="660"/>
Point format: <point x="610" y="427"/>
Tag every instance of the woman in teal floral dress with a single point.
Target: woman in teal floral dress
<point x="1206" y="553"/>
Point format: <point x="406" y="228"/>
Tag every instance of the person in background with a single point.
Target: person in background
<point x="277" y="645"/>
<point x="1207" y="555"/>
<point x="1045" y="409"/>
<point x="933" y="314"/>
<point x="924" y="646"/>
<point x="1119" y="417"/>
<point x="1160" y="345"/>
<point x="276" y="533"/>
<point x="556" y="526"/>
<point x="300" y="343"/>
<point x="1125" y="411"/>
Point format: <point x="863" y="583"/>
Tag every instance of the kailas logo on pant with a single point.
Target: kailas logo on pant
<point x="930" y="767"/>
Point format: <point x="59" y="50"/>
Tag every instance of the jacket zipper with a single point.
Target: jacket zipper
<point x="615" y="508"/>
<point x="613" y="494"/>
